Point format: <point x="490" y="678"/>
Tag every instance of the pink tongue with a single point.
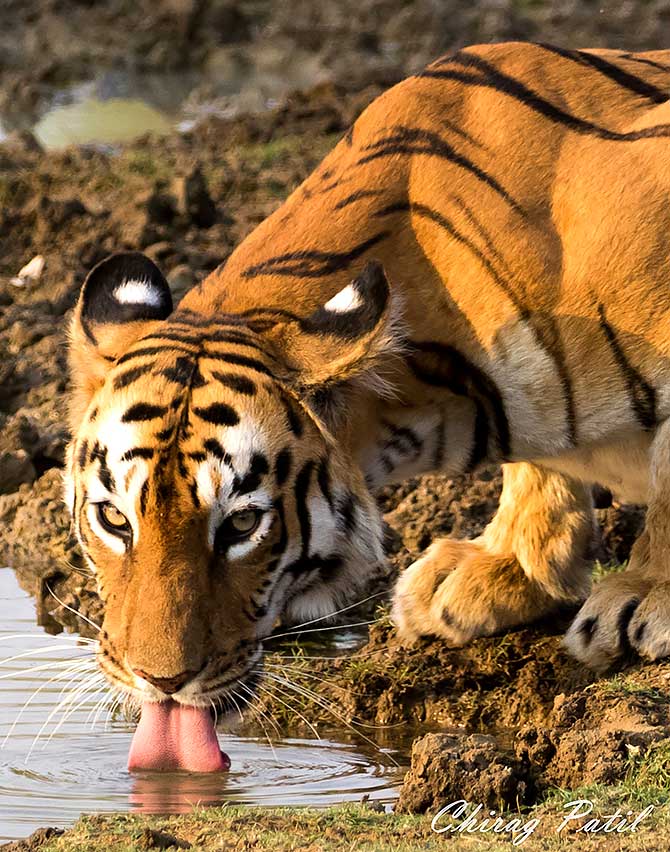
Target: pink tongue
<point x="172" y="736"/>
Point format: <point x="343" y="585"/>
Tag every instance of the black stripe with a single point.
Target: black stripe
<point x="416" y="141"/>
<point x="323" y="478"/>
<point x="150" y="350"/>
<point x="240" y="361"/>
<point x="440" y="442"/>
<point x="282" y="466"/>
<point x="165" y="434"/>
<point x="452" y="127"/>
<point x="347" y="512"/>
<point x="310" y="263"/>
<point x="481" y="232"/>
<point x="327" y="566"/>
<point x="215" y="447"/>
<point x="349" y="136"/>
<point x="302" y="483"/>
<point x="548" y="336"/>
<point x="217" y="413"/>
<point x="184" y="372"/>
<point x="492" y="78"/>
<point x="144" y="494"/>
<point x="279" y="546"/>
<point x="403" y="440"/>
<point x="357" y="196"/>
<point x="440" y="365"/>
<point x="138" y="453"/>
<point x="127" y="378"/>
<point x="480" y="439"/>
<point x="141" y="411"/>
<point x="240" y="384"/>
<point x="643" y="60"/>
<point x="193" y="490"/>
<point x="387" y="464"/>
<point x="181" y="465"/>
<point x="642" y="394"/>
<point x="252" y="479"/>
<point x="99" y="454"/>
<point x="613" y="72"/>
<point x="178" y="336"/>
<point x="92" y="416"/>
<point x="82" y="454"/>
<point x="236" y="337"/>
<point x="293" y="414"/>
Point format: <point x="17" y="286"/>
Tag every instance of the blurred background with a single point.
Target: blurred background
<point x="174" y="61"/>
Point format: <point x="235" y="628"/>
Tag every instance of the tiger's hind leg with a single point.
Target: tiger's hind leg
<point x="532" y="557"/>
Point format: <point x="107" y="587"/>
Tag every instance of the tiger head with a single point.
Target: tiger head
<point x="207" y="489"/>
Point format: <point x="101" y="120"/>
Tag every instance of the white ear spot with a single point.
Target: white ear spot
<point x="134" y="292"/>
<point x="348" y="299"/>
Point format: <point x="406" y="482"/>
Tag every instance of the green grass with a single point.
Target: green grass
<point x="601" y="570"/>
<point x="627" y="684"/>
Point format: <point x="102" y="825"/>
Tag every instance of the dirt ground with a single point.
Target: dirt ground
<point x="517" y="717"/>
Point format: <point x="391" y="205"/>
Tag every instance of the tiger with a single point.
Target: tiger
<point x="477" y="273"/>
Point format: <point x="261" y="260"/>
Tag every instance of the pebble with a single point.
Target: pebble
<point x="29" y="273"/>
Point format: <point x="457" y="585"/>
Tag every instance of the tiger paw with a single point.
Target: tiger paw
<point x="611" y="623"/>
<point x="457" y="590"/>
<point x="649" y="628"/>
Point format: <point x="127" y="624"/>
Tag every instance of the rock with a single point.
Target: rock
<point x="158" y="251"/>
<point x="16" y="468"/>
<point x="36" y="841"/>
<point x="194" y="202"/>
<point x="54" y="213"/>
<point x="180" y="279"/>
<point x="153" y="839"/>
<point x="29" y="273"/>
<point x="22" y="141"/>
<point x="449" y="767"/>
<point x="160" y="207"/>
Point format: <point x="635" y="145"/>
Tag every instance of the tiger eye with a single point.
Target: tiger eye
<point x="244" y="522"/>
<point x="112" y="519"/>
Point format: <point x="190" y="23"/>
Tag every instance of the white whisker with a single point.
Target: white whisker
<point x="71" y="609"/>
<point x="297" y="631"/>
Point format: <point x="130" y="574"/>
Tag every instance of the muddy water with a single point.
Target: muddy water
<point x="117" y="107"/>
<point x="57" y="764"/>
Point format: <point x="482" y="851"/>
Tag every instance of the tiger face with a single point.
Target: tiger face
<point x="207" y="491"/>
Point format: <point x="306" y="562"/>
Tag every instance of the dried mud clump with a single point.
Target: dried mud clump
<point x="445" y="766"/>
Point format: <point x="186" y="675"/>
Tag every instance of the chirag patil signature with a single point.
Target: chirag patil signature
<point x="463" y="817"/>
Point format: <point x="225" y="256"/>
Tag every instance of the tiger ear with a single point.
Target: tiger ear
<point x="344" y="339"/>
<point x="120" y="298"/>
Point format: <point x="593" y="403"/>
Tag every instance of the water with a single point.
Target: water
<point x="118" y="106"/>
<point x="79" y="767"/>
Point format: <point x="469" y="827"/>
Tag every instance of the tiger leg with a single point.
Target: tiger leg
<point x="532" y="557"/>
<point x="630" y="610"/>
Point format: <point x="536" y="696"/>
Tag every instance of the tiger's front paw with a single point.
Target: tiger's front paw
<point x="458" y="591"/>
<point x="608" y="625"/>
<point x="423" y="592"/>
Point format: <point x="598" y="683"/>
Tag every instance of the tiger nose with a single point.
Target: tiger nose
<point x="167" y="684"/>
